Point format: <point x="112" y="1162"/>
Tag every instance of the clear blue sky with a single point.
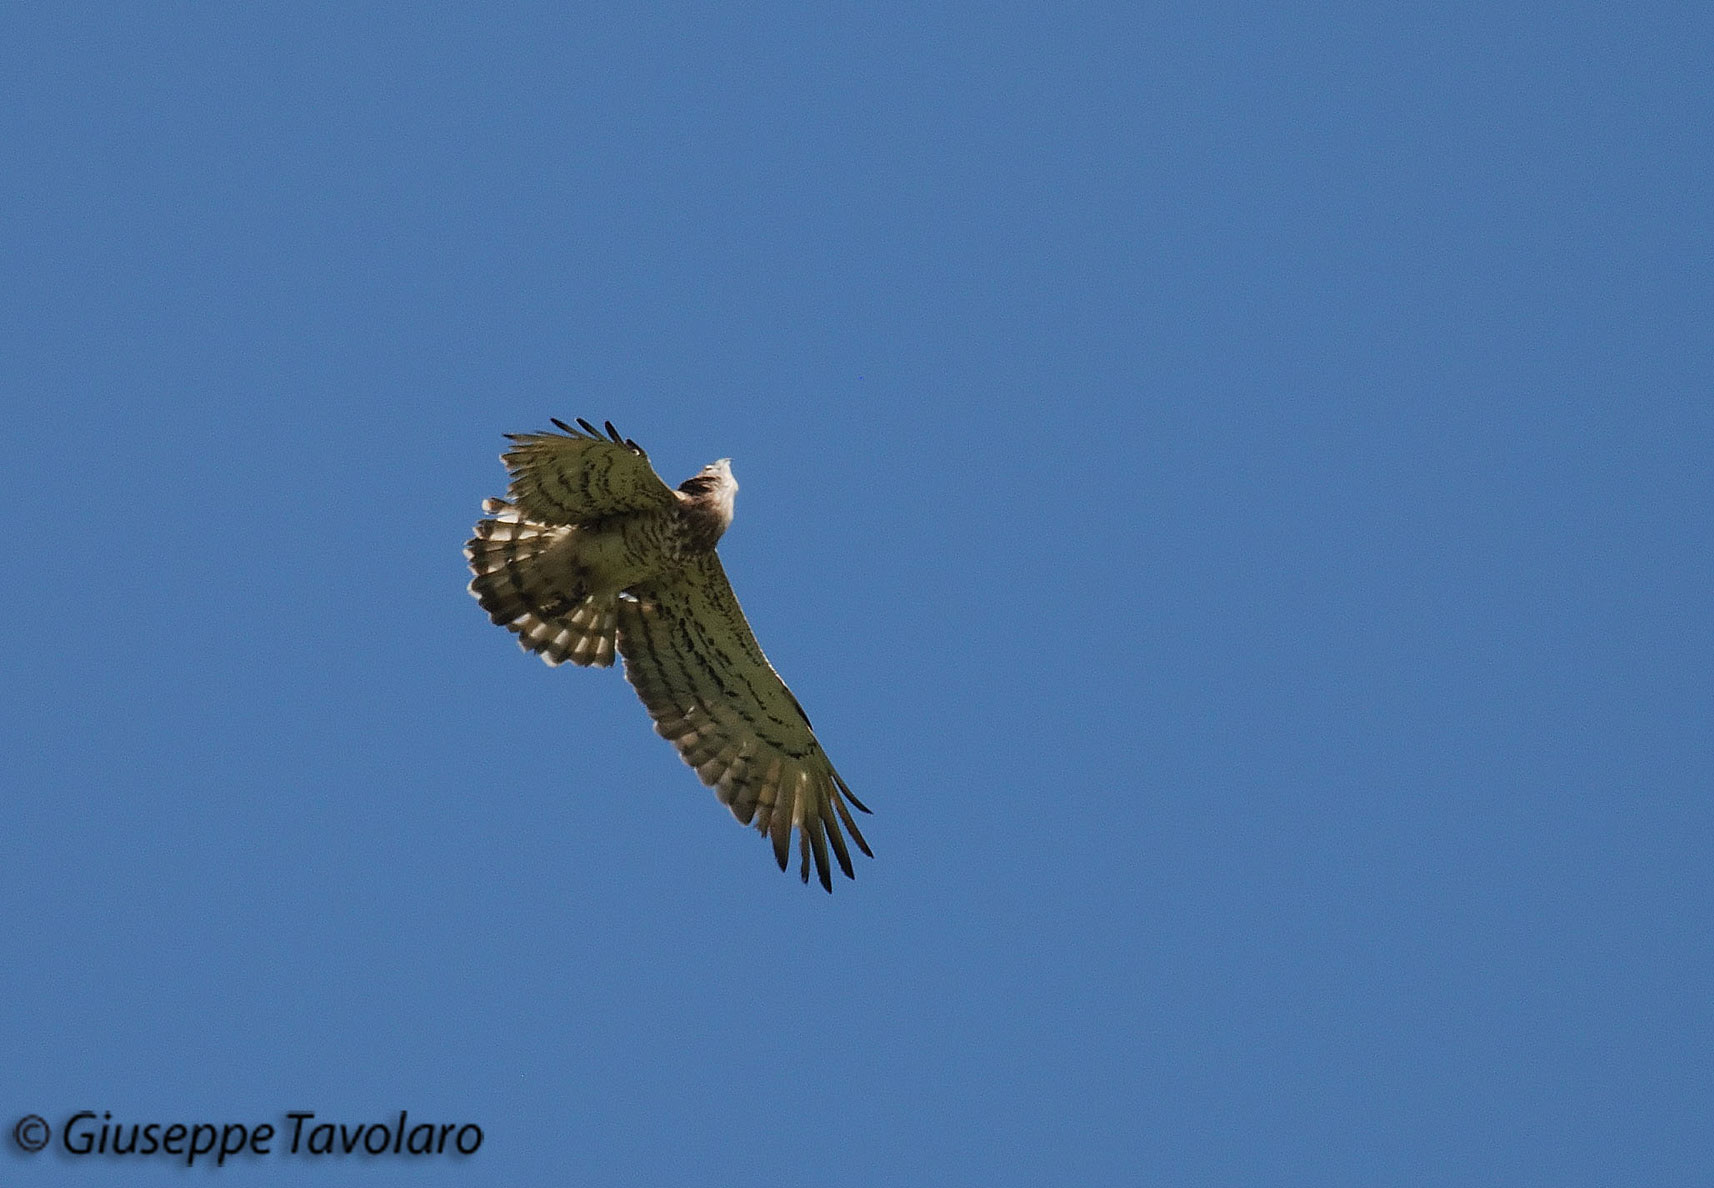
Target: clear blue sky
<point x="1231" y="484"/>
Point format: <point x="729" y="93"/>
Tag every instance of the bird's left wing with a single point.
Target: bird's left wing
<point x="694" y="661"/>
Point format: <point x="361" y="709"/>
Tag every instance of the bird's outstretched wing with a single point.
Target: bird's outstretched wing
<point x="580" y="475"/>
<point x="696" y="665"/>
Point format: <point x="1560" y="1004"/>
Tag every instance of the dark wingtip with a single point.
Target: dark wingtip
<point x="614" y="434"/>
<point x="818" y="842"/>
<point x="562" y="425"/>
<point x="851" y="827"/>
<point x="835" y="838"/>
<point x="588" y="428"/>
<point x="851" y="796"/>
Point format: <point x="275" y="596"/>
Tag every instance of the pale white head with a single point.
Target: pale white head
<point x="709" y="498"/>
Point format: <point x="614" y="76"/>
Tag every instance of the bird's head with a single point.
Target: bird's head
<point x="716" y="476"/>
<point x="713" y="488"/>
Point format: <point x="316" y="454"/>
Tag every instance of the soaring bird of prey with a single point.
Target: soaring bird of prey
<point x="592" y="553"/>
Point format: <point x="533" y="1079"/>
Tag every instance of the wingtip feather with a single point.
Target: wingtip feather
<point x="817" y="840"/>
<point x="834" y="836"/>
<point x="851" y="828"/>
<point x="850" y="795"/>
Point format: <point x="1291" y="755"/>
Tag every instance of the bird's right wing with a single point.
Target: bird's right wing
<point x="578" y="475"/>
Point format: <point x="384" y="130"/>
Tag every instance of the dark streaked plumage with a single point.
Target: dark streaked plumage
<point x="592" y="555"/>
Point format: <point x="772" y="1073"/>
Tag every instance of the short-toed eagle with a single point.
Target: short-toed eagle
<point x="592" y="553"/>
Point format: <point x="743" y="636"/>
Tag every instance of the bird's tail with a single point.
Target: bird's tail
<point x="523" y="591"/>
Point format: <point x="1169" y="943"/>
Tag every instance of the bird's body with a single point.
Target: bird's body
<point x="592" y="555"/>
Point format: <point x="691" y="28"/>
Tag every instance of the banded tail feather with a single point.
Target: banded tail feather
<point x="523" y="590"/>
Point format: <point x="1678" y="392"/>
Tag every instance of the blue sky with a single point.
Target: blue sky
<point x="1230" y="484"/>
